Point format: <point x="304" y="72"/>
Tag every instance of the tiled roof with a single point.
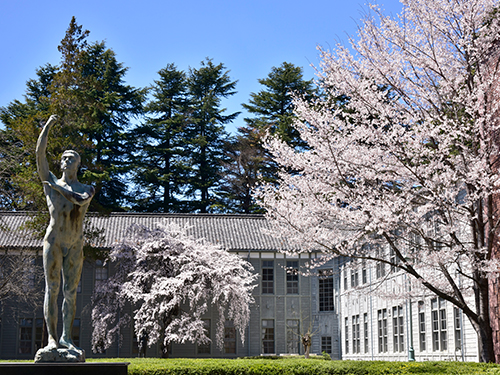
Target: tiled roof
<point x="232" y="232"/>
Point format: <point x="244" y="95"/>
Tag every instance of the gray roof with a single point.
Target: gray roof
<point x="232" y="232"/>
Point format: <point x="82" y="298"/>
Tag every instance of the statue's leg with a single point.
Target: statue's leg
<point x="52" y="260"/>
<point x="72" y="271"/>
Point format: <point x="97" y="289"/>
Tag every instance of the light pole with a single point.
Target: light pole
<point x="411" y="352"/>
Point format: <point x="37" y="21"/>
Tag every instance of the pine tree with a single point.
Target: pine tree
<point x="160" y="164"/>
<point x="206" y="136"/>
<point x="273" y="105"/>
<point x="249" y="162"/>
<point x="94" y="101"/>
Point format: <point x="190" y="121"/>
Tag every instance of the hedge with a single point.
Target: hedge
<point x="296" y="366"/>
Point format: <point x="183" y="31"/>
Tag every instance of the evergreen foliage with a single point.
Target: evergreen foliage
<point x="273" y="106"/>
<point x="159" y="157"/>
<point x="206" y="135"/>
<point x="249" y="163"/>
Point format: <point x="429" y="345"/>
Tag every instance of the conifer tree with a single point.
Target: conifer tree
<point x="249" y="162"/>
<point x="273" y="105"/>
<point x="160" y="161"/>
<point x="206" y="136"/>
<point x="94" y="101"/>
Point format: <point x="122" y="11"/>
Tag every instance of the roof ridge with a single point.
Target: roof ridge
<point x="153" y="214"/>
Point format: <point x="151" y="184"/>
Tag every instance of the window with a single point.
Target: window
<point x="345" y="278"/>
<point x="398" y="328"/>
<point x="205" y="348"/>
<point x="101" y="270"/>
<point x="346" y="336"/>
<point x="40" y="334"/>
<point x="25" y="336"/>
<point x="229" y="338"/>
<point x="267" y="277"/>
<point x="439" y="332"/>
<point x="354" y="278"/>
<point x="421" y="325"/>
<point x="382" y="331"/>
<point x="30" y="274"/>
<point x="292" y="336"/>
<point x="458" y="328"/>
<point x="380" y="270"/>
<point x="268" y="336"/>
<point x="292" y="277"/>
<point x="443" y="329"/>
<point x="76" y="332"/>
<point x="364" y="275"/>
<point x="435" y="324"/>
<point x="79" y="287"/>
<point x="394" y="261"/>
<point x="355" y="334"/>
<point x="365" y="330"/>
<point x="325" y="290"/>
<point x="326" y="344"/>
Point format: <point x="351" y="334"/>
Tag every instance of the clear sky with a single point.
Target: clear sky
<point x="248" y="36"/>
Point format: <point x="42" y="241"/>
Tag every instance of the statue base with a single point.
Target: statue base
<point x="59" y="355"/>
<point x="101" y="368"/>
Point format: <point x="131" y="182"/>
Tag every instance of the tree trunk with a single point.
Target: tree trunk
<point x="494" y="287"/>
<point x="306" y="342"/>
<point x="491" y="99"/>
<point x="485" y="340"/>
<point x="494" y="281"/>
<point x="482" y="325"/>
<point x="165" y="350"/>
<point x="306" y="353"/>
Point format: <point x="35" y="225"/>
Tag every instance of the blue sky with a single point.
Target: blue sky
<point x="248" y="36"/>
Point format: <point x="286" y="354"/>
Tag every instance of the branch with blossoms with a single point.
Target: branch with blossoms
<point x="407" y="159"/>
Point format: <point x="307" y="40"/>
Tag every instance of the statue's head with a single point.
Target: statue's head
<point x="70" y="160"/>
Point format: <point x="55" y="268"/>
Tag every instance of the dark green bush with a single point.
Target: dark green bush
<point x="296" y="366"/>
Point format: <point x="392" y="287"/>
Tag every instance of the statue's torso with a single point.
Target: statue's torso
<point x="66" y="218"/>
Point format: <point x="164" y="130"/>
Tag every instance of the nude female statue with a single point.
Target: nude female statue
<point x="68" y="201"/>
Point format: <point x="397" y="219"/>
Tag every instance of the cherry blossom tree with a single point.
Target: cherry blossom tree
<point x="402" y="165"/>
<point x="169" y="281"/>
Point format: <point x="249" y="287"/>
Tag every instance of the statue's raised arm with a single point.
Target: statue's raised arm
<point x="41" y="149"/>
<point x="68" y="186"/>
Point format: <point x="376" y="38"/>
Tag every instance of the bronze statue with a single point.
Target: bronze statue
<point x="68" y="201"/>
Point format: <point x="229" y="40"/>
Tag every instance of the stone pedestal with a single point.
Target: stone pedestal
<point x="100" y="368"/>
<point x="59" y="355"/>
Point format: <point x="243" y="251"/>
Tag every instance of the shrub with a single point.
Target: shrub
<point x="297" y="366"/>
